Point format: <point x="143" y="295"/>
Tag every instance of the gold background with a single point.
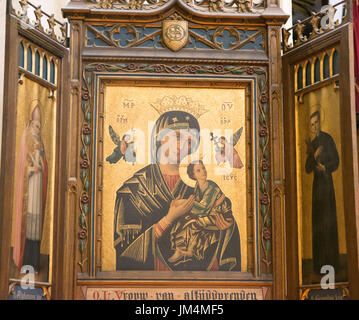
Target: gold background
<point x="328" y="98"/>
<point x="138" y="117"/>
<point x="27" y="92"/>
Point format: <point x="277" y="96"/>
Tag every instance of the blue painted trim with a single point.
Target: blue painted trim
<point x="21" y="55"/>
<point x="226" y="39"/>
<point x="336" y="63"/>
<point x="326" y="67"/>
<point x="45" y="68"/>
<point x="308" y="74"/>
<point x="29" y="60"/>
<point x="317" y="71"/>
<point x="37" y="63"/>
<point x="52" y="72"/>
<point x="300" y="80"/>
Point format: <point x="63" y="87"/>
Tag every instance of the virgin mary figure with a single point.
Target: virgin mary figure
<point x="31" y="189"/>
<point x="154" y="198"/>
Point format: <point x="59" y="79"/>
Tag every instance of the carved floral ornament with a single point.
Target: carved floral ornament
<point x="239" y="6"/>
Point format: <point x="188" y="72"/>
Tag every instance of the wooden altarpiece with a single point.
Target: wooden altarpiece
<point x="120" y="47"/>
<point x="319" y="83"/>
<point x="228" y="45"/>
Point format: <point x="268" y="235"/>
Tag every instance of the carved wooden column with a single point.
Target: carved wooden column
<point x="350" y="150"/>
<point x="277" y="146"/>
<point x="67" y="276"/>
<point x="8" y="157"/>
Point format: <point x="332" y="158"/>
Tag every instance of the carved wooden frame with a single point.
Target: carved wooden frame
<point x="71" y="134"/>
<point x="187" y="81"/>
<point x="14" y="32"/>
<point x="342" y="39"/>
<point x="128" y="60"/>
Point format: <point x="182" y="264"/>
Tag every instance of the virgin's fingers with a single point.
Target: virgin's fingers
<point x="225" y="224"/>
<point x="189" y="200"/>
<point x="189" y="205"/>
<point x="186" y="204"/>
<point x="219" y="222"/>
<point x="229" y="222"/>
<point x="221" y="219"/>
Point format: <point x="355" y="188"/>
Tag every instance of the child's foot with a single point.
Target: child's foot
<point x="185" y="257"/>
<point x="177" y="255"/>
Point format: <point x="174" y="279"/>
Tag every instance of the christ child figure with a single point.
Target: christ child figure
<point x="195" y="232"/>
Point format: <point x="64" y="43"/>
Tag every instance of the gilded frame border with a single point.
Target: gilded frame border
<point x="253" y="78"/>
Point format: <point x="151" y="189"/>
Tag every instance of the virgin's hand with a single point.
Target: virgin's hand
<point x="179" y="207"/>
<point x="222" y="223"/>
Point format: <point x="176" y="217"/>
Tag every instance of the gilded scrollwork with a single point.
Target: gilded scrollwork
<point x="314" y="26"/>
<point x="131" y="36"/>
<point x="131" y="30"/>
<point x="240" y="6"/>
<point x="236" y="40"/>
<point x="127" y="4"/>
<point x="49" y="25"/>
<point x="235" y="6"/>
<point x="315" y="19"/>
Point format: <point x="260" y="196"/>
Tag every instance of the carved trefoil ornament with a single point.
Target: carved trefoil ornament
<point x="175" y="34"/>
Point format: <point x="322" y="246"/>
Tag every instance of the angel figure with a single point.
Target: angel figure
<point x="225" y="150"/>
<point x="125" y="147"/>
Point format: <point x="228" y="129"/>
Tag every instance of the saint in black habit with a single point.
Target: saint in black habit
<point x="324" y="215"/>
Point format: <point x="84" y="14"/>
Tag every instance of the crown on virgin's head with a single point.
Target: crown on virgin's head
<point x="182" y="103"/>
